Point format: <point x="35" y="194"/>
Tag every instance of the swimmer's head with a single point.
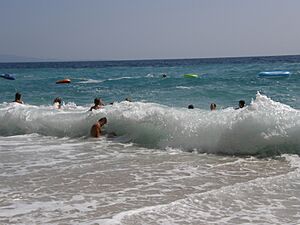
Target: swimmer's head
<point x="18" y="96"/>
<point x="102" y="121"/>
<point x="58" y="100"/>
<point x="241" y="103"/>
<point x="213" y="106"/>
<point x="97" y="101"/>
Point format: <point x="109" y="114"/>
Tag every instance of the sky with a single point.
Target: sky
<point x="148" y="29"/>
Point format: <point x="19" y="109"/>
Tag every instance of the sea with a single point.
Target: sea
<point x="166" y="164"/>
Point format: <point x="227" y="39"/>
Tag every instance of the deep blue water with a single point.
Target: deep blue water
<point x="221" y="80"/>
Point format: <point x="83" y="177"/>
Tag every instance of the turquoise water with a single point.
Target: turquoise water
<point x="222" y="81"/>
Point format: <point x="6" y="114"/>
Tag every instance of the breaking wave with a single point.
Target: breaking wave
<point x="263" y="127"/>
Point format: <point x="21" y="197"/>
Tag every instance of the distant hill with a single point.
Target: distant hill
<point x="15" y="58"/>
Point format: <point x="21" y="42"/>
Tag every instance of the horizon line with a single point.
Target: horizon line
<point x="146" y="59"/>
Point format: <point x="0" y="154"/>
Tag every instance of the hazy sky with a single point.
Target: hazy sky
<point x="144" y="29"/>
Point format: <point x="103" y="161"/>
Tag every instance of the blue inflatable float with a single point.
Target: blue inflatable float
<point x="8" y="76"/>
<point x="274" y="74"/>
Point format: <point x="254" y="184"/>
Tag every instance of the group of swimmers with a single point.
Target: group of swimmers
<point x="213" y="106"/>
<point x="96" y="129"/>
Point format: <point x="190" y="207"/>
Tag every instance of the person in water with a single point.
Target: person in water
<point x="98" y="104"/>
<point x="241" y="104"/>
<point x="57" y="103"/>
<point x="96" y="128"/>
<point x="128" y="99"/>
<point x="18" y="98"/>
<point x="213" y="106"/>
<point x="190" y="107"/>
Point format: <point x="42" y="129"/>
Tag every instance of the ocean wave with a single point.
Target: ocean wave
<point x="264" y="127"/>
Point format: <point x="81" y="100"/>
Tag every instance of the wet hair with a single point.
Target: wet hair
<point x="18" y="96"/>
<point x="213" y="106"/>
<point x="103" y="119"/>
<point x="97" y="101"/>
<point x="58" y="99"/>
<point x="190" y="107"/>
<point x="241" y="103"/>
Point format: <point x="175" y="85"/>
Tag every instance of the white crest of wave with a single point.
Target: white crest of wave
<point x="46" y="120"/>
<point x="90" y="81"/>
<point x="264" y="125"/>
<point x="122" y="78"/>
<point x="183" y="87"/>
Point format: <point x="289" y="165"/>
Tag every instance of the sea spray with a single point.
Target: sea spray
<point x="263" y="127"/>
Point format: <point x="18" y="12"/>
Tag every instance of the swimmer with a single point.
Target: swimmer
<point x="96" y="128"/>
<point x="98" y="104"/>
<point x="128" y="99"/>
<point x="57" y="103"/>
<point x="241" y="104"/>
<point x="190" y="107"/>
<point x="213" y="106"/>
<point x="18" y="98"/>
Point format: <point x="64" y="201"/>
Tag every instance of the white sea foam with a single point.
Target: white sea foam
<point x="122" y="78"/>
<point x="183" y="87"/>
<point x="90" y="81"/>
<point x="49" y="180"/>
<point x="150" y="75"/>
<point x="93" y="81"/>
<point x="264" y="200"/>
<point x="265" y="126"/>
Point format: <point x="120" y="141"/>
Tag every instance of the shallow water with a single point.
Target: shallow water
<point x="48" y="180"/>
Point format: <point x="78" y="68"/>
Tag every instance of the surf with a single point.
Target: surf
<point x="264" y="127"/>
